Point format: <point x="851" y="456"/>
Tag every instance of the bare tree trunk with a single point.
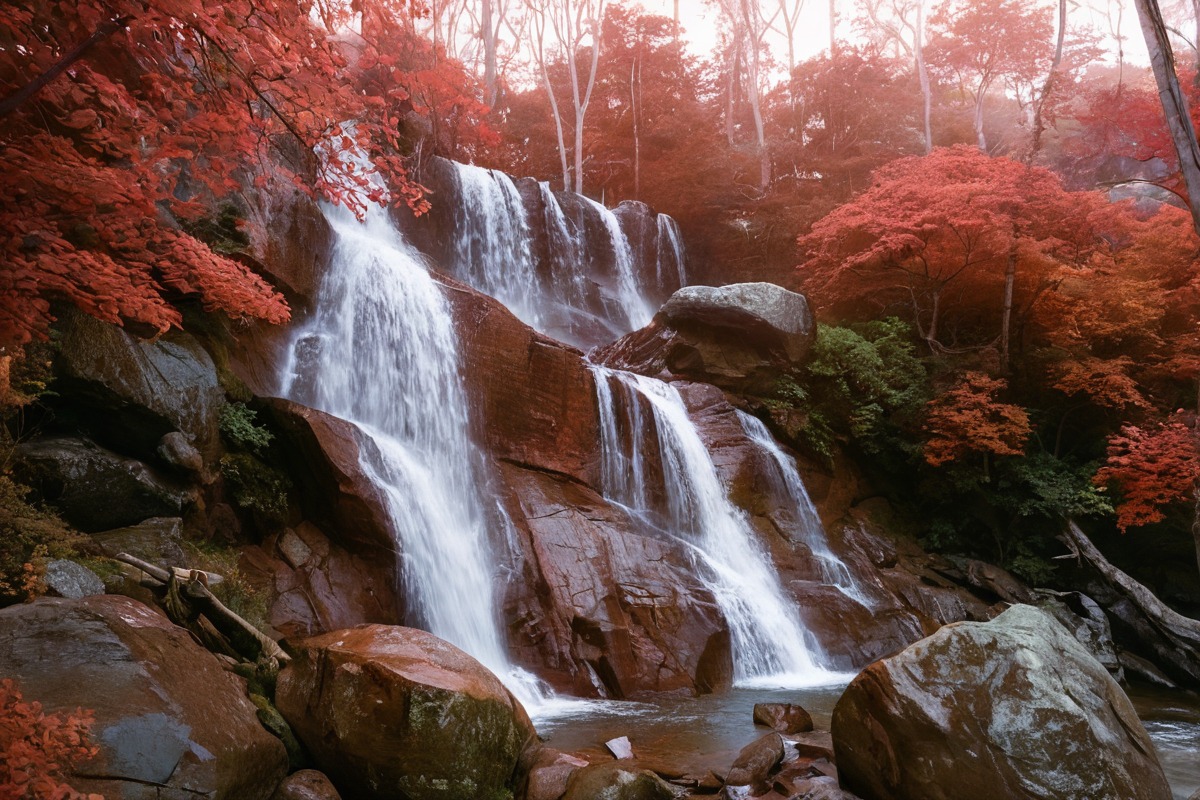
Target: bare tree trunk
<point x="832" y="27"/>
<point x="1010" y="274"/>
<point x="635" y="80"/>
<point x="1039" y="121"/>
<point x="1181" y="632"/>
<point x="1174" y="103"/>
<point x="489" y="55"/>
<point x="980" y="139"/>
<point x="923" y="74"/>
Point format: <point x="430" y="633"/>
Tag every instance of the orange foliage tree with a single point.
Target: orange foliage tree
<point x="37" y="748"/>
<point x="970" y="419"/>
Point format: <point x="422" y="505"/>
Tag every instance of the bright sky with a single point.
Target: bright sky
<point x="700" y="21"/>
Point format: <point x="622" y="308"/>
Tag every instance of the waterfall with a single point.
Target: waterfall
<point x="381" y="351"/>
<point x="492" y="243"/>
<point x="668" y="252"/>
<point x="769" y="643"/>
<point x="629" y="295"/>
<point x="788" y="487"/>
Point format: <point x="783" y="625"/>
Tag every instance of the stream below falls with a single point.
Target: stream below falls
<point x="697" y="734"/>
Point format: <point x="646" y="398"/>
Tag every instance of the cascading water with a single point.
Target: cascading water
<point x="669" y="252"/>
<point x="492" y="249"/>
<point x="788" y="486"/>
<point x="769" y="643"/>
<point x="629" y="295"/>
<point x="381" y="351"/>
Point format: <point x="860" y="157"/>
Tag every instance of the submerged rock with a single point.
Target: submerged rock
<point x="755" y="762"/>
<point x="1012" y="709"/>
<point x="391" y="712"/>
<point x="783" y="717"/>
<point x="169" y="720"/>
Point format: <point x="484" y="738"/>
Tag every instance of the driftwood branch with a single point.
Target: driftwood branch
<point x="1181" y="632"/>
<point x="188" y="599"/>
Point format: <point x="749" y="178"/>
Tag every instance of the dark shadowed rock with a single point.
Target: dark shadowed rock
<point x="315" y="585"/>
<point x="170" y="722"/>
<point x="1012" y="709"/>
<point x="158" y="540"/>
<point x="618" y="781"/>
<point x="177" y="451"/>
<point x="96" y="489"/>
<point x="755" y="762"/>
<point x="307" y="784"/>
<point x="391" y="712"/>
<point x="783" y="717"/>
<point x="132" y="392"/>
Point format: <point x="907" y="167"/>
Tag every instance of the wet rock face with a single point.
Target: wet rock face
<point x="96" y="489"/>
<point x="169" y="720"/>
<point x="391" y="712"/>
<point x="737" y="337"/>
<point x="1012" y="709"/>
<point x="325" y="454"/>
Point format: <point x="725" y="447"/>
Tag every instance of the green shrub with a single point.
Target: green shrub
<point x="31" y="536"/>
<point x="238" y="427"/>
<point x="256" y="487"/>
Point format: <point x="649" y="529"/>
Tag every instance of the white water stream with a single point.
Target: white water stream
<point x="381" y="351"/>
<point x="770" y="645"/>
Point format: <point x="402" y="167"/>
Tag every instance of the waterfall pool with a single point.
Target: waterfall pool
<point x="697" y="734"/>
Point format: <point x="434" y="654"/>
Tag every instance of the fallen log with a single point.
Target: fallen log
<point x="189" y="603"/>
<point x="1181" y="633"/>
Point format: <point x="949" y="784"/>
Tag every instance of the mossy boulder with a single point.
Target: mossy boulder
<point x="392" y="712"/>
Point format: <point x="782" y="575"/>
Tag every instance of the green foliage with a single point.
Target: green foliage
<point x="221" y="231"/>
<point x="239" y="429"/>
<point x="257" y="487"/>
<point x="31" y="536"/>
<point x="863" y="385"/>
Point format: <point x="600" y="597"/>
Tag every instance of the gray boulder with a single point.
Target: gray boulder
<point x="738" y="337"/>
<point x="65" y="578"/>
<point x="135" y="391"/>
<point x="1012" y="709"/>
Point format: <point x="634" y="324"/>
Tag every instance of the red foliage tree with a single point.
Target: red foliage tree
<point x="969" y="419"/>
<point x="1154" y="467"/>
<point x="37" y="748"/>
<point x="121" y="120"/>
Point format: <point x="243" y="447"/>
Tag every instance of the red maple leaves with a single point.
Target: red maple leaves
<point x="1154" y="467"/>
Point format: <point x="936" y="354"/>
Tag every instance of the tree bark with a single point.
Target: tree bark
<point x="923" y="75"/>
<point x="489" y="54"/>
<point x="1174" y="103"/>
<point x="1010" y="275"/>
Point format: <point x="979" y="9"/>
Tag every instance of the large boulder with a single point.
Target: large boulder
<point x="132" y="391"/>
<point x="96" y="489"/>
<point x="738" y="337"/>
<point x="1012" y="709"/>
<point x="169" y="720"/>
<point x="391" y="712"/>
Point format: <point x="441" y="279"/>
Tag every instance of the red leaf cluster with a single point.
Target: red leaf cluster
<point x="37" y="748"/>
<point x="969" y="419"/>
<point x="1153" y="467"/>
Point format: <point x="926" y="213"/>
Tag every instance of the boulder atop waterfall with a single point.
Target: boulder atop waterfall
<point x="392" y="712"/>
<point x="1012" y="709"/>
<point x="169" y="720"/>
<point x="737" y="337"/>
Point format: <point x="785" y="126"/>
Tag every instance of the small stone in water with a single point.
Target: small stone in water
<point x="620" y="747"/>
